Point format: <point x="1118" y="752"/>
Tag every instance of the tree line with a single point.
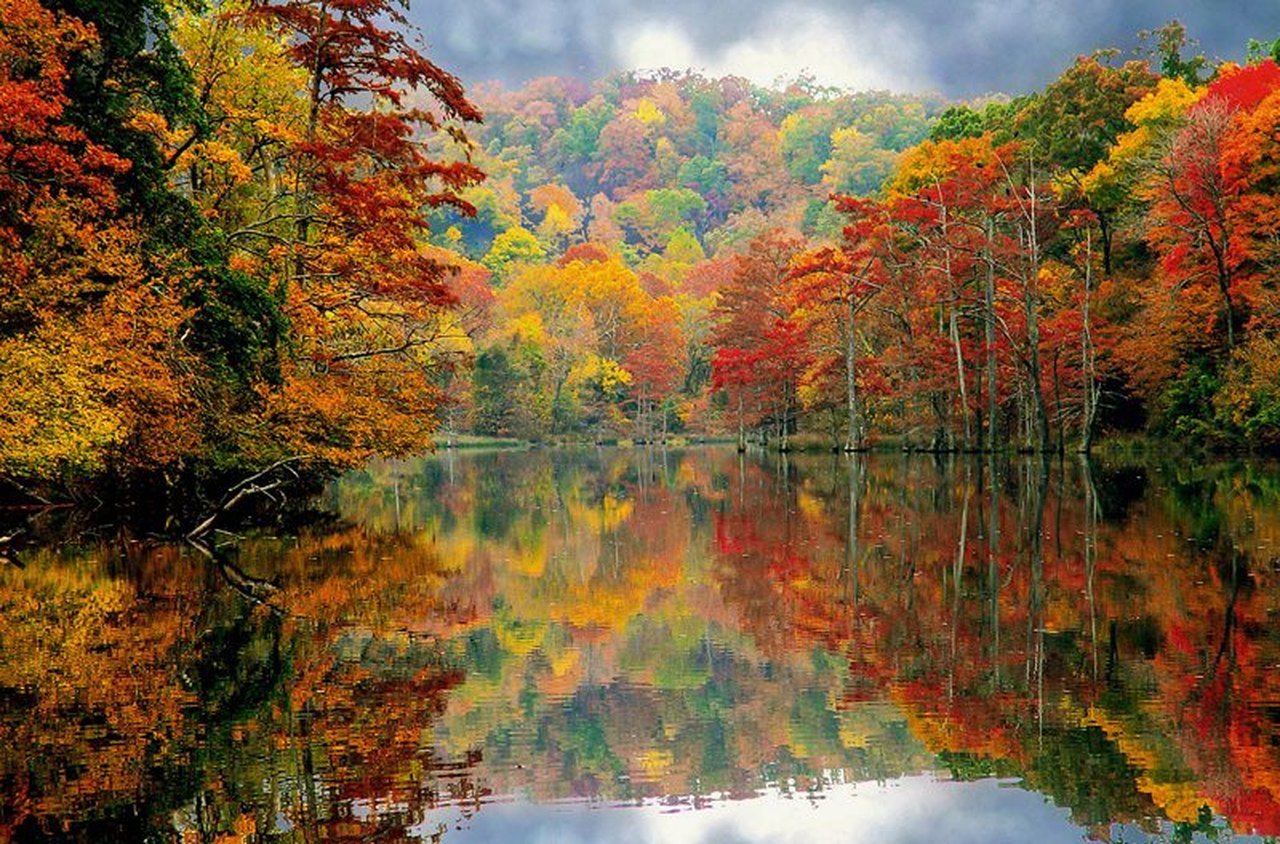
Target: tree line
<point x="268" y="229"/>
<point x="670" y="253"/>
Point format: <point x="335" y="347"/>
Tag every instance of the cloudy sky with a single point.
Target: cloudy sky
<point x="958" y="47"/>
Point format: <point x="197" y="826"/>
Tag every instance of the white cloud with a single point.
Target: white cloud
<point x="652" y="44"/>
<point x="860" y="49"/>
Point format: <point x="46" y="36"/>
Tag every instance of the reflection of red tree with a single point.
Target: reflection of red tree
<point x="986" y="645"/>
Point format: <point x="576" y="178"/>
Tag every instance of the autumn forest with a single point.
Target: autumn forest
<point x="662" y="456"/>
<point x="276" y="230"/>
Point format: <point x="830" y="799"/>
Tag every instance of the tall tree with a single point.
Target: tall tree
<point x="363" y="294"/>
<point x="839" y="283"/>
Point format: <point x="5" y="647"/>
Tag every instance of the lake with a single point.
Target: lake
<point x="666" y="645"/>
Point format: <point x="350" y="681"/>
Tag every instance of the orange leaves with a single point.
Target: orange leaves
<point x="44" y="162"/>
<point x="111" y="389"/>
<point x="315" y="166"/>
<point x="933" y="161"/>
<point x="1213" y="214"/>
<point x="90" y="343"/>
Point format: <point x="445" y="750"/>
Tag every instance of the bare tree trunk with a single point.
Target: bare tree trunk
<point x="993" y="563"/>
<point x="955" y="332"/>
<point x="960" y="379"/>
<point x="1031" y="302"/>
<point x="742" y="432"/>
<point x="993" y="406"/>
<point x="1088" y="364"/>
<point x="855" y="441"/>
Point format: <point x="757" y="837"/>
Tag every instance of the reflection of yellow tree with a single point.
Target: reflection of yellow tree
<point x="635" y="624"/>
<point x="127" y="682"/>
<point x="85" y="648"/>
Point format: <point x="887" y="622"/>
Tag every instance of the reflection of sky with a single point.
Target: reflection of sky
<point x="904" y="811"/>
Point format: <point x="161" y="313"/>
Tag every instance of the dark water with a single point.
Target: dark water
<point x="630" y="646"/>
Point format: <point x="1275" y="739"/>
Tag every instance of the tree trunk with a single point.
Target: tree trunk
<point x="1104" y="228"/>
<point x="960" y="379"/>
<point x="1031" y="302"/>
<point x="954" y="331"/>
<point x="1087" y="362"/>
<point x="742" y="431"/>
<point x="855" y="442"/>
<point x="989" y="304"/>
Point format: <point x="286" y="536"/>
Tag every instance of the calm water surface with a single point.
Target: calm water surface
<point x="632" y="646"/>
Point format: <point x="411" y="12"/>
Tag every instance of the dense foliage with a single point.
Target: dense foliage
<point x="672" y="253"/>
<point x="211" y="236"/>
<point x="257" y="230"/>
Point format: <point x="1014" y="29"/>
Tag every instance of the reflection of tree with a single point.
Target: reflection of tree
<point x="147" y="702"/>
<point x="641" y="624"/>
<point x="1061" y="583"/>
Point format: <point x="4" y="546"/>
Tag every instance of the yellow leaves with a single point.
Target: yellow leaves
<point x="1100" y="178"/>
<point x="276" y="130"/>
<point x="221" y="157"/>
<point x="606" y="374"/>
<point x="683" y="248"/>
<point x="1250" y="395"/>
<point x="556" y="225"/>
<point x="812" y="393"/>
<point x="512" y="247"/>
<point x="648" y="113"/>
<point x="252" y="93"/>
<point x="153" y="123"/>
<point x="934" y="160"/>
<point x="653" y="764"/>
<point x="552" y="195"/>
<point x="52" y="416"/>
<point x="1167" y="103"/>
<point x="1152" y="116"/>
<point x="106" y="386"/>
<point x="528" y="327"/>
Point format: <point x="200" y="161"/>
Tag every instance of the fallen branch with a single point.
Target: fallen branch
<point x="254" y="589"/>
<point x="40" y="500"/>
<point x="250" y="486"/>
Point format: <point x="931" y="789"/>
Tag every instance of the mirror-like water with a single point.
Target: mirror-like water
<point x="644" y="646"/>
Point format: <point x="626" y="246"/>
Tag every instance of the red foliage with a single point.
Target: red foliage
<point x="1241" y="88"/>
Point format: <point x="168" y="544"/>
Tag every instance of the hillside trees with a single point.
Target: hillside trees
<point x="269" y="223"/>
<point x="363" y="296"/>
<point x="96" y="375"/>
<point x="215" y="241"/>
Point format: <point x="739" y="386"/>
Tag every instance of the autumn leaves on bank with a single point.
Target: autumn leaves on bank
<point x="277" y="229"/>
<point x="212" y="235"/>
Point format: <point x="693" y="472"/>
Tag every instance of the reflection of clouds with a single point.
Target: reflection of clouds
<point x="962" y="47"/>
<point x="912" y="810"/>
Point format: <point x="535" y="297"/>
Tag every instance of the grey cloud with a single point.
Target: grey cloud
<point x="966" y="47"/>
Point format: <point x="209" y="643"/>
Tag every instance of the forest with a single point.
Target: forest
<point x="255" y="231"/>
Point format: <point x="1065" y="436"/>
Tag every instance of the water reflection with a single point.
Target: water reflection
<point x="651" y="646"/>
